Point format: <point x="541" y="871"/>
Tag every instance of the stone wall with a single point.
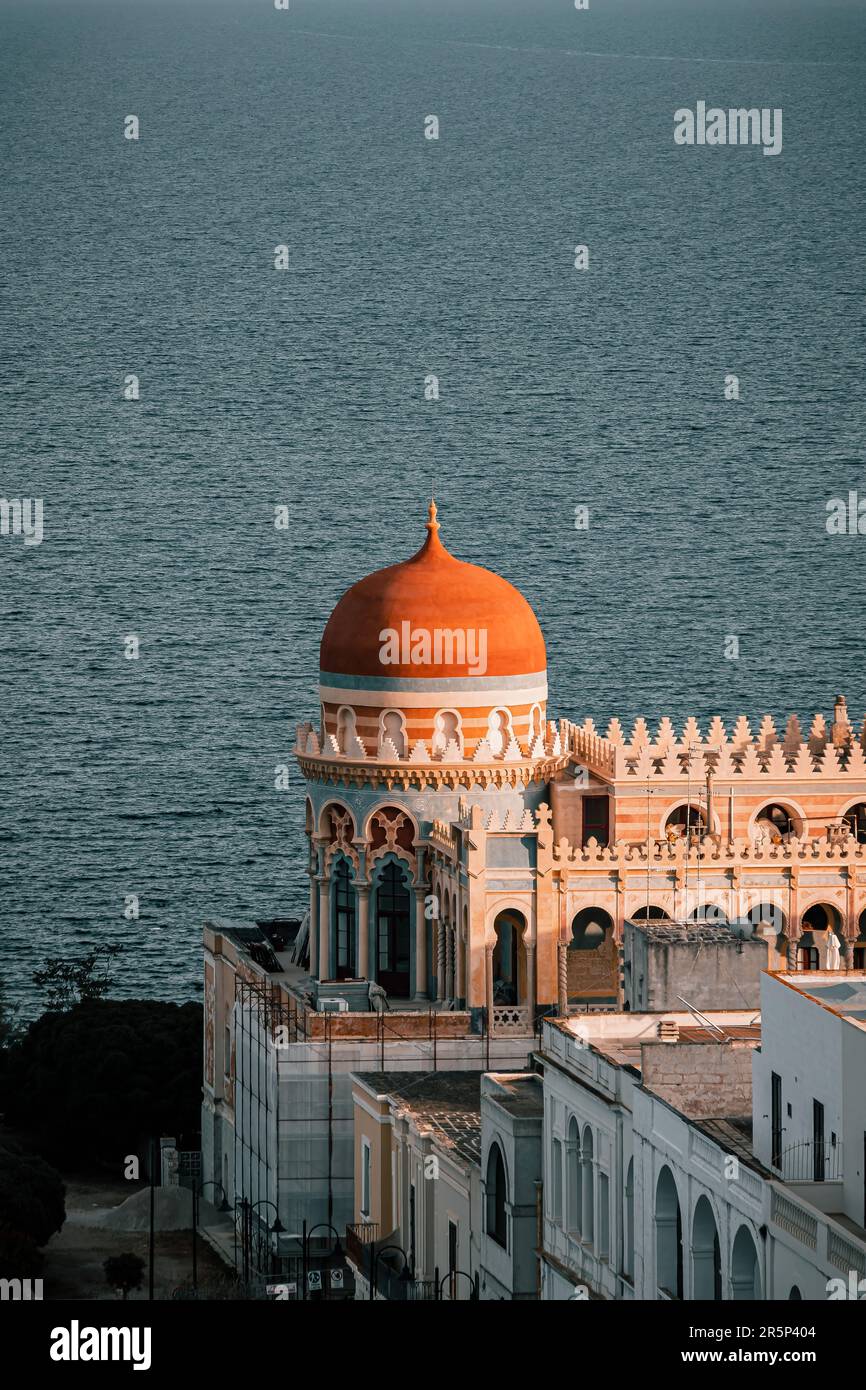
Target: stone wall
<point x="703" y="1080"/>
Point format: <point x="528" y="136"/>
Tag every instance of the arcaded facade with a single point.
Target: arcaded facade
<point x="467" y="849"/>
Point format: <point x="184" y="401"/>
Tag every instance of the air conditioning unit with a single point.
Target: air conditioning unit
<point x="333" y="1004"/>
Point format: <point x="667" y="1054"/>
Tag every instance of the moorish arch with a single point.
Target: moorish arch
<point x="511" y="956"/>
<point x="854" y="817"/>
<point x="745" y="1267"/>
<point x="392" y="917"/>
<point x="706" y="1253"/>
<point x="668" y="1222"/>
<point x="592" y="957"/>
<point x="778" y="822"/>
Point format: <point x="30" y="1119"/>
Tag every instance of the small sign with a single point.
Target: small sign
<point x="336" y="1278"/>
<point x="314" y="1279"/>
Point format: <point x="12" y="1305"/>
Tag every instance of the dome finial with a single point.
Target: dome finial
<point x="432" y="524"/>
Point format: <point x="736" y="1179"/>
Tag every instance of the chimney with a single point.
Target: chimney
<point x="840" y="731"/>
<point x="669" y="1030"/>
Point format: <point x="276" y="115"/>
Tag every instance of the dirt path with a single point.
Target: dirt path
<point x="74" y="1257"/>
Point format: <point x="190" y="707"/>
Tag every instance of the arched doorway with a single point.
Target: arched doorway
<point x="820" y="929"/>
<point x="706" y="1253"/>
<point x="745" y="1271"/>
<point x="669" y="1237"/>
<point x="393" y="930"/>
<point x="509" y="958"/>
<point x="591" y="958"/>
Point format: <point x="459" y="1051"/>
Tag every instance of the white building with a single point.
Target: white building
<point x="652" y="1189"/>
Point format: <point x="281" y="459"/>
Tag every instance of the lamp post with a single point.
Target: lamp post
<point x="456" y="1274"/>
<point x="306" y="1237"/>
<point x="223" y="1207"/>
<point x="276" y="1228"/>
<point x="405" y="1273"/>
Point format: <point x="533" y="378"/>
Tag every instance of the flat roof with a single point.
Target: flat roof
<point x="841" y="992"/>
<point x="520" y="1093"/>
<point x="447" y="1103"/>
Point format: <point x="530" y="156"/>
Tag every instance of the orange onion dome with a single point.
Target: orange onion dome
<point x="434" y="618"/>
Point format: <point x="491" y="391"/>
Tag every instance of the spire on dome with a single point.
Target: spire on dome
<point x="432" y="544"/>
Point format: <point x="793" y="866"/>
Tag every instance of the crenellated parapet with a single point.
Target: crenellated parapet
<point x="826" y="752"/>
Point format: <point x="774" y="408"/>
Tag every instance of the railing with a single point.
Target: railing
<point x="810" y="1162"/>
<point x="511" y="1018"/>
<point x="793" y="1219"/>
<point x="844" y="1255"/>
<point x="360" y="1238"/>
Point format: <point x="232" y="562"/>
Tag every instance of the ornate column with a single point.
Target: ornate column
<point x="420" y="943"/>
<point x="314" y="920"/>
<point x="530" y="983"/>
<point x="459" y="986"/>
<point x="440" y="958"/>
<point x="363" y="892"/>
<point x="449" y="962"/>
<point x="324" y="928"/>
<point x="488" y="982"/>
<point x="562" y="978"/>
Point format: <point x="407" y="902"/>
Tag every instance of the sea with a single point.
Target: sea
<point x="650" y="447"/>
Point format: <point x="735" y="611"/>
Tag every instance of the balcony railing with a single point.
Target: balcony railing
<point x="810" y="1162"/>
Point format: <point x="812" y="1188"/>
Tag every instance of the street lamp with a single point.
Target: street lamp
<point x="405" y="1273"/>
<point x="306" y="1237"/>
<point x="456" y="1274"/>
<point x="222" y="1208"/>
<point x="276" y="1228"/>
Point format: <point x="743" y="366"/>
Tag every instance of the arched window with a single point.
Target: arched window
<point x="574" y="1195"/>
<point x="776" y="823"/>
<point x="686" y="821"/>
<point x="650" y="914"/>
<point x="499" y="731"/>
<point x="393" y="729"/>
<point x="669" y="1237"/>
<point x="628" y="1253"/>
<point x="446" y="729"/>
<point x="392" y="931"/>
<point x="855" y="819"/>
<point x="347" y="730"/>
<point x="556" y="1181"/>
<point x="344" y="920"/>
<point x="497" y="1221"/>
<point x="588" y="1185"/>
<point x="709" y="912"/>
<point x="534" y="724"/>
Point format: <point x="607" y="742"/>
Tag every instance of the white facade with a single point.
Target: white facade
<point x="817" y="1052"/>
<point x="642" y="1201"/>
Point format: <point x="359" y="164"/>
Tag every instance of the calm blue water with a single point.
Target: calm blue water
<point x="259" y="127"/>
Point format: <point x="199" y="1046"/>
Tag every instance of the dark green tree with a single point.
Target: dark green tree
<point x="68" y="981"/>
<point x="95" y="1082"/>
<point x="124" y="1272"/>
<point x="32" y="1208"/>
